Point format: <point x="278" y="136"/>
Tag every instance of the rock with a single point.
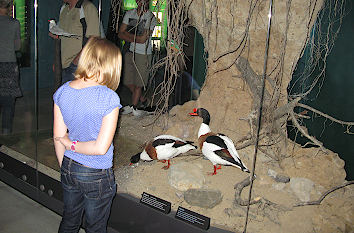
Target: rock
<point x="184" y="176"/>
<point x="282" y="178"/>
<point x="206" y="198"/>
<point x="302" y="188"/>
<point x="278" y="177"/>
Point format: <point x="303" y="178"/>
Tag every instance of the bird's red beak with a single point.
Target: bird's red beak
<point x="130" y="164"/>
<point x="194" y="113"/>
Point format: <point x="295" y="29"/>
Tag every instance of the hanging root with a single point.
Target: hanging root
<point x="275" y="118"/>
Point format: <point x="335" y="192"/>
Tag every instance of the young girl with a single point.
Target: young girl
<point x="88" y="108"/>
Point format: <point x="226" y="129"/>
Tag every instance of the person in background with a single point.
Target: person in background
<point x="10" y="42"/>
<point x="69" y="21"/>
<point x="88" y="108"/>
<point x="137" y="27"/>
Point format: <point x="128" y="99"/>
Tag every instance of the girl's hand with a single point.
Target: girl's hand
<point x="65" y="141"/>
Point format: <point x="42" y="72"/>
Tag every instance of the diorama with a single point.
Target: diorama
<point x="231" y="146"/>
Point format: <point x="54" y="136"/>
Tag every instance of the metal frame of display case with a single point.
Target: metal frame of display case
<point x="25" y="179"/>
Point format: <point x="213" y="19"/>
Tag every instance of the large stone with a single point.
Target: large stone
<point x="184" y="176"/>
<point x="302" y="188"/>
<point x="205" y="198"/>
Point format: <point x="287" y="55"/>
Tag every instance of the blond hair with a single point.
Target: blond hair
<point x="101" y="61"/>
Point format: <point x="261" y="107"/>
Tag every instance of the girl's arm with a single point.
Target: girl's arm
<point x="59" y="130"/>
<point x="105" y="137"/>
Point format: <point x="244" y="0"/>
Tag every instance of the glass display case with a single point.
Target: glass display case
<point x="27" y="157"/>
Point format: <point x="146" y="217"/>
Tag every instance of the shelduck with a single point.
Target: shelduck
<point x="218" y="148"/>
<point x="162" y="148"/>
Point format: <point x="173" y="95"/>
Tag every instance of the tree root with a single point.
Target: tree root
<point x="347" y="123"/>
<point x="303" y="131"/>
<point x="239" y="201"/>
<point x="239" y="187"/>
<point x="266" y="208"/>
<point x="324" y="195"/>
<point x="280" y="114"/>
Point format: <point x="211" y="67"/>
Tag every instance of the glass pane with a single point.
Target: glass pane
<point x="48" y="81"/>
<point x="17" y="94"/>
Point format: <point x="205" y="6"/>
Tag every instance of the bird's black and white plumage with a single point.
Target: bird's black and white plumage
<point x="218" y="148"/>
<point x="163" y="147"/>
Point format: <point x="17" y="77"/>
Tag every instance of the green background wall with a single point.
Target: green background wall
<point x="336" y="96"/>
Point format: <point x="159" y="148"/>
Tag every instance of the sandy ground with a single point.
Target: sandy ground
<point x="335" y="214"/>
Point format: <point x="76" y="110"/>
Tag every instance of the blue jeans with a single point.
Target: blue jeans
<point x="67" y="74"/>
<point x="86" y="190"/>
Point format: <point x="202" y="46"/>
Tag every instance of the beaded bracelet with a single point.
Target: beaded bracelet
<point x="73" y="146"/>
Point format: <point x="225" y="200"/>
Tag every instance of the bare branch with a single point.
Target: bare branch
<point x="349" y="123"/>
<point x="300" y="128"/>
<point x="324" y="195"/>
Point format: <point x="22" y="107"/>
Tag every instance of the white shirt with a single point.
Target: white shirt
<point x="139" y="24"/>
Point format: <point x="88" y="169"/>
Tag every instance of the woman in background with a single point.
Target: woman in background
<point x="10" y="42"/>
<point x="88" y="108"/>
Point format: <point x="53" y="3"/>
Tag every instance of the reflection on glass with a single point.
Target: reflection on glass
<point x="23" y="141"/>
<point x="157" y="32"/>
<point x="156" y="44"/>
<point x="21" y="12"/>
<point x="158" y="16"/>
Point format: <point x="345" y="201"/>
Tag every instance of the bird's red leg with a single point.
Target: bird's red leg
<point x="214" y="173"/>
<point x="162" y="161"/>
<point x="168" y="165"/>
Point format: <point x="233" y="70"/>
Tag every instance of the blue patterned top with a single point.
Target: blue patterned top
<point x="83" y="111"/>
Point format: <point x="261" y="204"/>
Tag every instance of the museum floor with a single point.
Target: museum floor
<point x="20" y="214"/>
